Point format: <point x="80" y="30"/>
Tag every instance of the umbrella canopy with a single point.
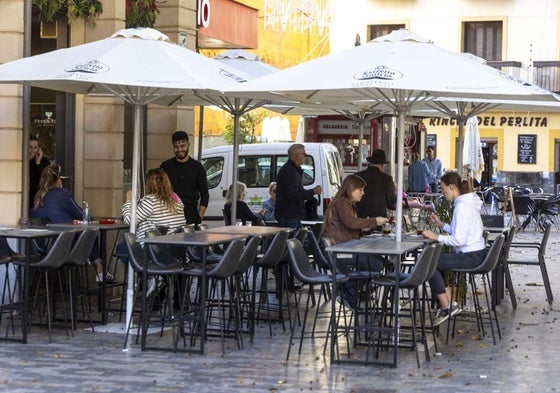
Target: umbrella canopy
<point x="245" y="61"/>
<point x="472" y="149"/>
<point x="402" y="70"/>
<point x="139" y="66"/>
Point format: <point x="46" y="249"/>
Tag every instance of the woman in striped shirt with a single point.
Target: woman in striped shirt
<point x="159" y="207"/>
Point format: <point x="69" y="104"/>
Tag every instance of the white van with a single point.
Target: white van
<point x="259" y="164"/>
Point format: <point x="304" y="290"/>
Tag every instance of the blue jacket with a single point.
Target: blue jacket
<point x="59" y="206"/>
<point x="419" y="177"/>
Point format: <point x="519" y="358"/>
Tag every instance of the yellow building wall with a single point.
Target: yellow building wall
<point x="501" y="127"/>
<point x="281" y="49"/>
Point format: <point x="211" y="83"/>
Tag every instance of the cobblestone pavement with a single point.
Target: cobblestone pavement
<point x="524" y="360"/>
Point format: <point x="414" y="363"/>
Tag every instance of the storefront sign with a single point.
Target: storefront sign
<point x="496" y="121"/>
<point x="203" y="13"/>
<point x="339" y="127"/>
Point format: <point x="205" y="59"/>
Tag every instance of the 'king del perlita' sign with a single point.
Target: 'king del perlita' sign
<point x="496" y="121"/>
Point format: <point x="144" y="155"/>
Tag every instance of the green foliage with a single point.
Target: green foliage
<point x="48" y="8"/>
<point x="86" y="9"/>
<point x="141" y="13"/>
<point x="247" y="127"/>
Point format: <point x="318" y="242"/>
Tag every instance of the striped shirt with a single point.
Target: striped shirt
<point x="151" y="213"/>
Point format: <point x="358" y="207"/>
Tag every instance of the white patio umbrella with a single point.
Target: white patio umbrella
<point x="472" y="149"/>
<point x="138" y="65"/>
<point x="402" y="70"/>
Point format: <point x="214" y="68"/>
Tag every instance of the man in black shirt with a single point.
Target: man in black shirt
<point x="380" y="189"/>
<point x="37" y="162"/>
<point x="188" y="179"/>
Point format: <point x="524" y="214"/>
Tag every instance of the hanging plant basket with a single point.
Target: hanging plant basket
<point x="75" y="9"/>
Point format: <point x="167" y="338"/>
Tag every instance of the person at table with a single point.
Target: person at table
<point x="188" y="179"/>
<point x="269" y="205"/>
<point x="244" y="213"/>
<point x="291" y="196"/>
<point x="159" y="207"/>
<point x="419" y="174"/>
<point x="464" y="234"/>
<point x="55" y="204"/>
<point x="37" y="162"/>
<point x="342" y="224"/>
<point x="379" y="190"/>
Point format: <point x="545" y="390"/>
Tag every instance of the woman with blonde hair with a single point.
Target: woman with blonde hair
<point x="159" y="207"/>
<point x="341" y="223"/>
<point x="244" y="213"/>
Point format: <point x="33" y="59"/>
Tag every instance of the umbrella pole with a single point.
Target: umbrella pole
<point x="360" y="145"/>
<point x="236" y="116"/>
<point x="133" y="218"/>
<point x="461" y="137"/>
<point x="400" y="154"/>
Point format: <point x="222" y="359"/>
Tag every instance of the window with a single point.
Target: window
<point x="214" y="168"/>
<point x="483" y="39"/>
<point x="379" y="30"/>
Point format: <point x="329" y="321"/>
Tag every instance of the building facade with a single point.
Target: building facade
<point x="521" y="38"/>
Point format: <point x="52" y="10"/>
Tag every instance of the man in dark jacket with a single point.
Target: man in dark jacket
<point x="380" y="189"/>
<point x="188" y="179"/>
<point x="290" y="194"/>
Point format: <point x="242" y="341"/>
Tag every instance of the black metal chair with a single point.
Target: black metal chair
<point x="77" y="261"/>
<point x="53" y="262"/>
<point x="484" y="269"/>
<point x="144" y="267"/>
<point x="308" y="276"/>
<point x="219" y="276"/>
<point x="540" y="249"/>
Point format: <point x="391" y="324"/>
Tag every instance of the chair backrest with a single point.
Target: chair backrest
<point x="327" y="241"/>
<point x="41" y="245"/>
<point x="160" y="254"/>
<point x="79" y="254"/>
<point x="229" y="262"/>
<point x="299" y="262"/>
<point x="492" y="257"/>
<point x="249" y="255"/>
<point x="275" y="251"/>
<point x="58" y="252"/>
<point x="318" y="256"/>
<point x="419" y="273"/>
<point x="435" y="259"/>
<point x="544" y="240"/>
<point x="522" y="204"/>
<point x="507" y="243"/>
<point x="135" y="252"/>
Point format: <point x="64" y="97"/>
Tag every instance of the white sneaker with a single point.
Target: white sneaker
<point x="443" y="314"/>
<point x="108" y="277"/>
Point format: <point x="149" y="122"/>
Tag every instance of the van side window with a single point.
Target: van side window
<point x="308" y="167"/>
<point x="214" y="167"/>
<point x="254" y="171"/>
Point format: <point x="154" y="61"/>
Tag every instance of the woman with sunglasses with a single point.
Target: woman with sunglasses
<point x="55" y="204"/>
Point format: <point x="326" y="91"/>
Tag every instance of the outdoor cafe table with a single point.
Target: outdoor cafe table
<point x="27" y="234"/>
<point x="202" y="239"/>
<point x="382" y="246"/>
<point x="103" y="226"/>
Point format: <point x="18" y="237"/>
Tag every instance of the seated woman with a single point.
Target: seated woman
<point x="465" y="235"/>
<point x="159" y="207"/>
<point x="55" y="204"/>
<point x="269" y="205"/>
<point x="342" y="224"/>
<point x="244" y="213"/>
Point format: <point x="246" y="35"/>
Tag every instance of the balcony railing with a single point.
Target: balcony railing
<point x="512" y="68"/>
<point x="546" y="74"/>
